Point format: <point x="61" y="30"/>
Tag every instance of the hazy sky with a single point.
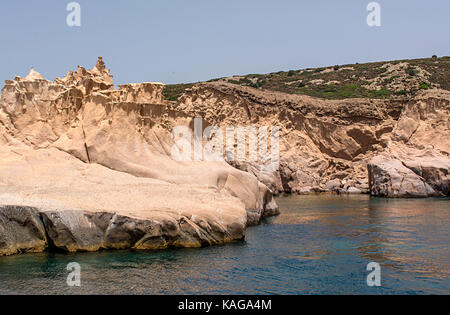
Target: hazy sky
<point x="175" y="41"/>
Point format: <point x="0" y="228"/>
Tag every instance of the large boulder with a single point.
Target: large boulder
<point x="392" y="178"/>
<point x="416" y="162"/>
<point x="435" y="172"/>
<point x="21" y="230"/>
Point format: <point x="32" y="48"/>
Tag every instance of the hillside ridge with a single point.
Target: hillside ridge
<point x="384" y="79"/>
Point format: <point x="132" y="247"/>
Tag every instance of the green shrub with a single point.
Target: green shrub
<point x="402" y="93"/>
<point x="391" y="79"/>
<point x="379" y="93"/>
<point x="347" y="91"/>
<point x="424" y="86"/>
<point x="411" y="71"/>
<point x="245" y="81"/>
<point x="330" y="88"/>
<point x="258" y="84"/>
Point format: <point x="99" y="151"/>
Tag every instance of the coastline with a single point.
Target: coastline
<point x="315" y="240"/>
<point x="85" y="166"/>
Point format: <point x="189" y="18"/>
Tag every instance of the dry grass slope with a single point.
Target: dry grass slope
<point x="370" y="80"/>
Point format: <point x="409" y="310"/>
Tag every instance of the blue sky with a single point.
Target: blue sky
<point x="174" y="41"/>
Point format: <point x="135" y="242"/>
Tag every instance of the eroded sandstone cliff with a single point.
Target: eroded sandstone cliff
<point x="85" y="166"/>
<point x="331" y="145"/>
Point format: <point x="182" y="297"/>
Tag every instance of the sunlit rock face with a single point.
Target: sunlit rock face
<point x="89" y="167"/>
<point x="326" y="146"/>
<point x="416" y="162"/>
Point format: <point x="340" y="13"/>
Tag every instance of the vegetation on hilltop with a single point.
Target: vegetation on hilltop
<point x="173" y="91"/>
<point x="369" y="80"/>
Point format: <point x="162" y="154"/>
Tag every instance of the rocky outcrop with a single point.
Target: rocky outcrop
<point x="323" y="146"/>
<point x="435" y="172"/>
<point x="391" y="178"/>
<point x="95" y="164"/>
<point x="423" y="177"/>
<point x="79" y="230"/>
<point x="326" y="146"/>
<point x="86" y="166"/>
<point x="21" y="230"/>
<point x="416" y="162"/>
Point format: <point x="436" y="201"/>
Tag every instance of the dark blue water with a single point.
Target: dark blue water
<point x="319" y="244"/>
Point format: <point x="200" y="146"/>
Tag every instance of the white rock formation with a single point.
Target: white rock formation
<point x="91" y="166"/>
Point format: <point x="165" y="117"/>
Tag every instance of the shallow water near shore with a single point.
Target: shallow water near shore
<point x="320" y="244"/>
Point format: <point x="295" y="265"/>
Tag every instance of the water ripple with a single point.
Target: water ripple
<point x="319" y="244"/>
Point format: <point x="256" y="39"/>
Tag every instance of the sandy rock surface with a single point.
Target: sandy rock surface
<point x="326" y="146"/>
<point x="89" y="167"/>
<point x="86" y="166"/>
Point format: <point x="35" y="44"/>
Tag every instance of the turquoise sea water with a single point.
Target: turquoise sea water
<point x="318" y="245"/>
